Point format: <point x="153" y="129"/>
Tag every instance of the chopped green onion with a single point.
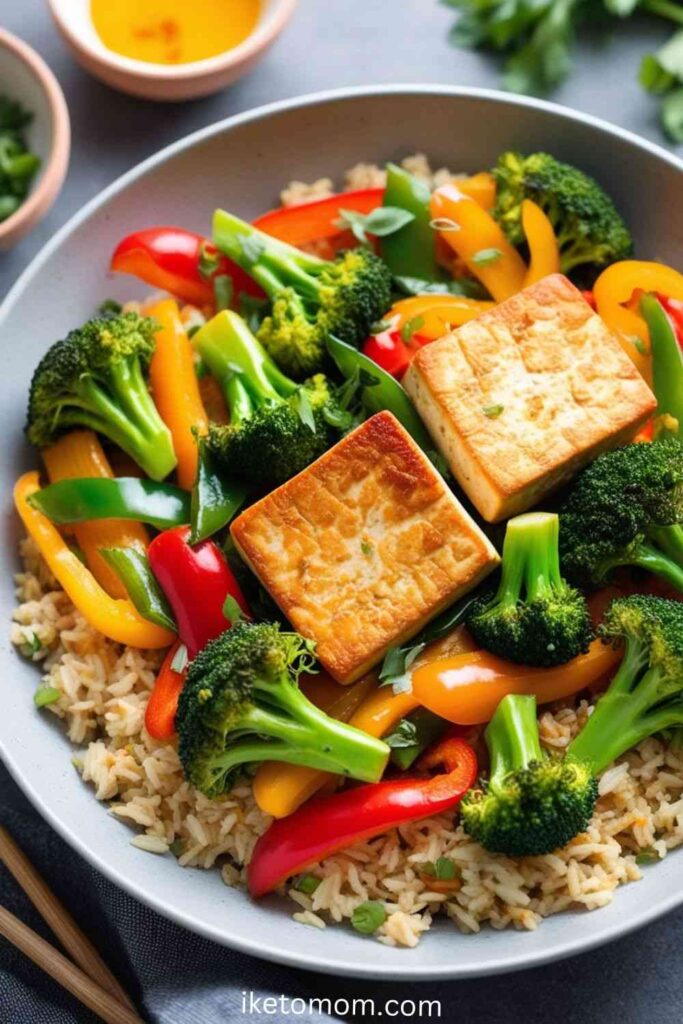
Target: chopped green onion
<point x="232" y="610"/>
<point x="492" y="411"/>
<point x="485" y="257"/>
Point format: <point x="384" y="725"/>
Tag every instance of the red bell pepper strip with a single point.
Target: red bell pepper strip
<point x="174" y="260"/>
<point x="675" y="310"/>
<point x="196" y="580"/>
<point x="315" y="221"/>
<point x="329" y="823"/>
<point x="163" y="701"/>
<point x="391" y="352"/>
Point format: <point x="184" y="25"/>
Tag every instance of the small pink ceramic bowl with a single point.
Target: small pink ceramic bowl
<point x="164" y="81"/>
<point x="25" y="77"/>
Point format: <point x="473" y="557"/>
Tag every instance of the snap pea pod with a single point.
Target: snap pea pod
<point x="80" y="499"/>
<point x="215" y="498"/>
<point x="411" y="250"/>
<point x="134" y="571"/>
<point x="382" y="391"/>
<point x="667" y="368"/>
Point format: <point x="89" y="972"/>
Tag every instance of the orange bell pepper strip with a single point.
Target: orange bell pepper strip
<point x="175" y="389"/>
<point x="544" y="251"/>
<point x="163" y="701"/>
<point x="213" y="399"/>
<point x="437" y="313"/>
<point x="481" y="187"/>
<point x="473" y="234"/>
<point x="614" y="290"/>
<point x="467" y="688"/>
<point x="80" y="454"/>
<point x="115" y="618"/>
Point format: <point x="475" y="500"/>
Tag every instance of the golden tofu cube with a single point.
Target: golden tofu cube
<point x="363" y="547"/>
<point x="527" y="394"/>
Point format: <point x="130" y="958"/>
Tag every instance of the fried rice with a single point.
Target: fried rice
<point x="104" y="689"/>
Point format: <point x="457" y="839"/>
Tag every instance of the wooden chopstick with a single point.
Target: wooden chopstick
<point x="64" y="972"/>
<point x="77" y="945"/>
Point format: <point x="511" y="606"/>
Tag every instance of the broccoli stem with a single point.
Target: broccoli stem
<point x="622" y="717"/>
<point x="233" y="354"/>
<point x="270" y="262"/>
<point x="131" y="420"/>
<point x="663" y="557"/>
<point x="531" y="565"/>
<point x="304" y="735"/>
<point x="512" y="737"/>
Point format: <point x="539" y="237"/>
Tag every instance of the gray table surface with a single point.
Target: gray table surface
<point x="358" y="42"/>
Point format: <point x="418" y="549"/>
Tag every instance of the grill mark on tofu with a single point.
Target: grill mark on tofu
<point x="364" y="546"/>
<point x="567" y="388"/>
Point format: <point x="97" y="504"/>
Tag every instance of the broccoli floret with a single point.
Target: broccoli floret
<point x="277" y="427"/>
<point x="310" y="297"/>
<point x="534" y="617"/>
<point x="646" y="694"/>
<point x="626" y="509"/>
<point x="241" y="703"/>
<point x="586" y="222"/>
<point x="95" y="377"/>
<point x="531" y="804"/>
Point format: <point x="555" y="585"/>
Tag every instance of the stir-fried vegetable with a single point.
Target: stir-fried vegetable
<point x="115" y="618"/>
<point x="82" y="500"/>
<point x="331" y="823"/>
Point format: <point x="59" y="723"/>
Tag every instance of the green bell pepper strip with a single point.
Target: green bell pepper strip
<point x="133" y="569"/>
<point x="81" y="499"/>
<point x="428" y="729"/>
<point x="384" y="393"/>
<point x="410" y="251"/>
<point x="667" y="368"/>
<point x="215" y="499"/>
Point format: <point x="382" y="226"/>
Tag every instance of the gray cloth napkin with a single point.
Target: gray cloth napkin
<point x="176" y="977"/>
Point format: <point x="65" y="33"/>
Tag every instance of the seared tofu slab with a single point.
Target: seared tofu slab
<point x="364" y="547"/>
<point x="522" y="397"/>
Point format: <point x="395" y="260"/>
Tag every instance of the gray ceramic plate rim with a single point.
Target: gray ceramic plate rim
<point x="275" y="953"/>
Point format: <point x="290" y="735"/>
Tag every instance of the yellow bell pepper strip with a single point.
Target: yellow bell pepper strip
<point x="614" y="289"/>
<point x="479" y="241"/>
<point x="115" y="618"/>
<point x="175" y="389"/>
<point x="466" y="689"/>
<point x="481" y="187"/>
<point x="435" y="315"/>
<point x="76" y="455"/>
<point x="280" y="788"/>
<point x="544" y="252"/>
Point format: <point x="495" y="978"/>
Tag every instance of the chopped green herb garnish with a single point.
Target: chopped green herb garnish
<point x="366" y="547"/>
<point x="382" y="221"/>
<point x="368" y="917"/>
<point x="647" y="856"/>
<point x="381" y="326"/>
<point x="444" y="224"/>
<point x="639" y="344"/>
<point x="404" y="735"/>
<point x="176" y="847"/>
<point x="411" y="327"/>
<point x="46" y="695"/>
<point x="492" y="411"/>
<point x="18" y="166"/>
<point x="485" y="257"/>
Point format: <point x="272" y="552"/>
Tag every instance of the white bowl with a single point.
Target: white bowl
<point x="241" y="164"/>
<point x="166" y="81"/>
<point x="26" y="78"/>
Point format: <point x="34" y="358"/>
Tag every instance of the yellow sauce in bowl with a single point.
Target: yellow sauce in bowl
<point x="173" y="31"/>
